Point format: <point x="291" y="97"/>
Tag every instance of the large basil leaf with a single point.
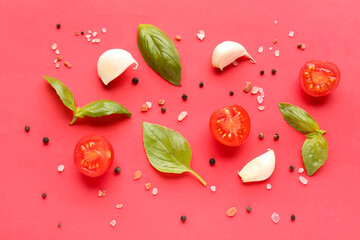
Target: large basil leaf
<point x="101" y="108"/>
<point x="63" y="92"/>
<point x="314" y="153"/>
<point x="159" y="52"/>
<point x="298" y="118"/>
<point x="167" y="150"/>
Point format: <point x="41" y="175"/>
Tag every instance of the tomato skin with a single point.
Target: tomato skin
<point x="230" y="125"/>
<point x="319" y="78"/>
<point x="93" y="155"/>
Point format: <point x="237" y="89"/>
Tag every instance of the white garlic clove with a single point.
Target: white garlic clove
<point x="227" y="52"/>
<point x="259" y="168"/>
<point x="112" y="63"/>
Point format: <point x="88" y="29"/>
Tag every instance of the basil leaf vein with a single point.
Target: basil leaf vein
<point x="314" y="153"/>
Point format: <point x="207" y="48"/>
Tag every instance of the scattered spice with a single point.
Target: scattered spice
<point x="277" y="53"/>
<point x="275" y="41"/>
<point x="161" y="102"/>
<point x="61" y="168"/>
<point x="201" y="35"/>
<point x="292" y="168"/>
<point x="144" y="108"/>
<point x="261" y="49"/>
<point x="59" y="225"/>
<point x="291" y="34"/>
<point x="268" y="186"/>
<point x="262" y="72"/>
<point x="117" y="170"/>
<point x="82" y="32"/>
<point x="270" y="48"/>
<point x="254" y="90"/>
<point x="104" y="30"/>
<point x="137" y="175"/>
<point x="77" y="33"/>
<point x="292" y="217"/>
<point x="58" y="26"/>
<point x="148" y="104"/>
<point x="177" y="37"/>
<point x="299" y="45"/>
<point x="273" y="71"/>
<point x="113" y="223"/>
<point x="213" y="188"/>
<point x="57" y="65"/>
<point x="27" y="128"/>
<point x="101" y="193"/>
<point x="58" y="58"/>
<point x="135" y="80"/>
<point x="44" y="195"/>
<point x="275" y="217"/>
<point x="212" y="161"/>
<point x="45" y="140"/>
<point x="302" y="47"/>
<point x="261" y="135"/>
<point x="201" y="84"/>
<point x="261" y="108"/>
<point x="147" y="186"/>
<point x="67" y="64"/>
<point x="155" y="191"/>
<point x="247" y="87"/>
<point x="231" y="212"/>
<point x="54" y="46"/>
<point x="183" y="218"/>
<point x="248" y="209"/>
<point x="276" y="136"/>
<point x="231" y="93"/>
<point x="182" y="115"/>
<point x="163" y="109"/>
<point x="120" y="205"/>
<point x="184" y="97"/>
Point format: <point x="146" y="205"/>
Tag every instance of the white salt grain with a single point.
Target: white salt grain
<point x="260" y="99"/>
<point x="201" y="35"/>
<point x="275" y="217"/>
<point x="99" y="193"/>
<point x="261" y="49"/>
<point x="303" y="180"/>
<point x="276" y="22"/>
<point x="97" y="40"/>
<point x="54" y="46"/>
<point x="104" y="30"/>
<point x="87" y="35"/>
<point x="270" y="48"/>
<point x="155" y="191"/>
<point x="89" y="31"/>
<point x="254" y="90"/>
<point x="277" y="53"/>
<point x="113" y="223"/>
<point x="213" y="188"/>
<point x="182" y="115"/>
<point x="94" y="34"/>
<point x="301" y="170"/>
<point x="148" y="104"/>
<point x="57" y="51"/>
<point x="261" y="108"/>
<point x="268" y="186"/>
<point x="120" y="205"/>
<point x="291" y="34"/>
<point x="61" y="168"/>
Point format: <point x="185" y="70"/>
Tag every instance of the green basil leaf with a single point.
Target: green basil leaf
<point x="314" y="153"/>
<point x="298" y="118"/>
<point x="63" y="92"/>
<point x="159" y="52"/>
<point x="167" y="150"/>
<point x="101" y="108"/>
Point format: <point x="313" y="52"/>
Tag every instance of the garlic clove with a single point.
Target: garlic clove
<point x="112" y="63"/>
<point x="259" y="168"/>
<point x="227" y="52"/>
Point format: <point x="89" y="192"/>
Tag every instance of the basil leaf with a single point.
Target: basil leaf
<point x="314" y="153"/>
<point x="101" y="108"/>
<point x="167" y="150"/>
<point x="298" y="118"/>
<point x="159" y="52"/>
<point x="63" y="92"/>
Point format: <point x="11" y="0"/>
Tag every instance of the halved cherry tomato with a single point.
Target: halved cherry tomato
<point x="93" y="155"/>
<point x="230" y="125"/>
<point x="319" y="78"/>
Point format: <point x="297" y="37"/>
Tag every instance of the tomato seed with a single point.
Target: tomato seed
<point x="231" y="212"/>
<point x="137" y="175"/>
<point x="183" y="218"/>
<point x="147" y="186"/>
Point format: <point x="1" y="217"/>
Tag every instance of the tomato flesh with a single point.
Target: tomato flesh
<point x="93" y="155"/>
<point x="230" y="125"/>
<point x="319" y="78"/>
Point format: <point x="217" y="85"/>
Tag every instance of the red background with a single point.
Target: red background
<point x="326" y="208"/>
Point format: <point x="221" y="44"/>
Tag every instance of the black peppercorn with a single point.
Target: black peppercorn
<point x="183" y="218"/>
<point x="82" y="32"/>
<point x="45" y="140"/>
<point x="27" y="128"/>
<point x="273" y="71"/>
<point x="299" y="45"/>
<point x="248" y="209"/>
<point x="201" y="84"/>
<point x="184" y="97"/>
<point x="231" y="93"/>
<point x="58" y="25"/>
<point x="262" y="72"/>
<point x="212" y="161"/>
<point x="293" y="217"/>
<point x="117" y="170"/>
<point x="43" y="195"/>
<point x="276" y="136"/>
<point x="292" y="168"/>
<point x="59" y="225"/>
<point x="163" y="109"/>
<point x="261" y="135"/>
<point x="135" y="80"/>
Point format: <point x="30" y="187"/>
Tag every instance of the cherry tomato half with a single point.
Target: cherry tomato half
<point x="319" y="78"/>
<point x="93" y="155"/>
<point x="230" y="125"/>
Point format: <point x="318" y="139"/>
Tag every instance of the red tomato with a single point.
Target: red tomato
<point x="93" y="155"/>
<point x="230" y="125"/>
<point x="319" y="78"/>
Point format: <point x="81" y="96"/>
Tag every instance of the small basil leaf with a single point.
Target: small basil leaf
<point x="314" y="153"/>
<point x="101" y="108"/>
<point x="167" y="150"/>
<point x="63" y="92"/>
<point x="159" y="52"/>
<point x="298" y="118"/>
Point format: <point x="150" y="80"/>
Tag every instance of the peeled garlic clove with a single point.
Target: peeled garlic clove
<point x="259" y="168"/>
<point x="227" y="52"/>
<point x="112" y="63"/>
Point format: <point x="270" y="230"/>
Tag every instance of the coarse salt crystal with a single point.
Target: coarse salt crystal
<point x="88" y="39"/>
<point x="147" y="186"/>
<point x="201" y="34"/>
<point x="57" y="65"/>
<point x="55" y="61"/>
<point x="104" y="30"/>
<point x="61" y="168"/>
<point x="261" y="108"/>
<point x="54" y="46"/>
<point x="93" y="40"/>
<point x="120" y="205"/>
<point x="94" y="34"/>
<point x="213" y="188"/>
<point x="155" y="191"/>
<point x="301" y="170"/>
<point x="137" y="175"/>
<point x="99" y="193"/>
<point x="148" y="104"/>
<point x="262" y="94"/>
<point x="270" y="48"/>
<point x="235" y="63"/>
<point x="57" y="51"/>
<point x="260" y="99"/>
<point x="182" y="115"/>
<point x="161" y="102"/>
<point x="277" y="53"/>
<point x="113" y="223"/>
<point x="254" y="90"/>
<point x="144" y="108"/>
<point x="261" y="49"/>
<point x="268" y="186"/>
<point x="303" y="180"/>
<point x="291" y="34"/>
<point x="87" y="35"/>
<point x="275" y="21"/>
<point x="89" y="31"/>
<point x="275" y="217"/>
<point x="97" y="40"/>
